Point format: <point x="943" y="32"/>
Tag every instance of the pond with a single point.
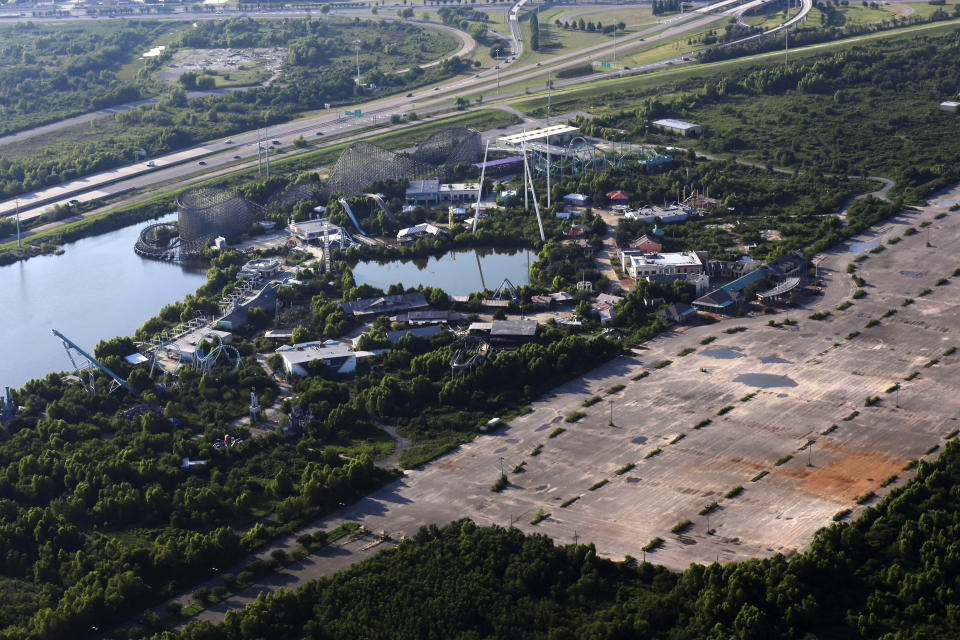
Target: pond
<point x="456" y="272"/>
<point x="98" y="288"/>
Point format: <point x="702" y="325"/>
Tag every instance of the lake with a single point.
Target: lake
<point x="456" y="272"/>
<point x="99" y="288"/>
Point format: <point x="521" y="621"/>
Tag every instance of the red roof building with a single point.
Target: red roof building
<point x="618" y="197"/>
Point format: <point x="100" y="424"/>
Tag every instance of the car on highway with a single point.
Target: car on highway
<point x="538" y="64"/>
<point x="476" y="75"/>
<point x="436" y="88"/>
<point x="319" y="133"/>
<point x="202" y="163"/>
<point x="151" y="164"/>
<point x="229" y="141"/>
<point x="409" y="95"/>
<point x="277" y="142"/>
<point x="236" y="157"/>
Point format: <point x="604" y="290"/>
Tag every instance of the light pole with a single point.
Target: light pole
<point x="501" y="465"/>
<point x="615" y="40"/>
<point x="810" y="453"/>
<point x="898" y="395"/>
<point x="611" y="414"/>
<point x="357" y="42"/>
<point x="18" y="224"/>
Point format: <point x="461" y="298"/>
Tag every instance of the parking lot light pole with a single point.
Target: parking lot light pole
<point x="611" y="414"/>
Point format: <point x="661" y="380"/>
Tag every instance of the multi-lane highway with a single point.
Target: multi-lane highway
<point x="243" y="146"/>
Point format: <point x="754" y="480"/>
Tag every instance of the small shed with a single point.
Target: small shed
<point x="949" y="106"/>
<point x="576" y="199"/>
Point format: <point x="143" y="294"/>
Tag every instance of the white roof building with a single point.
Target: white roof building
<point x="558" y="134"/>
<point x="417" y="231"/>
<point x="638" y="264"/>
<point x="678" y="126"/>
<point x="337" y="355"/>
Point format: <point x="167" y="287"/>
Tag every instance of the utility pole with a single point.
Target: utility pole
<point x="810" y="454"/>
<point x="526" y="193"/>
<point x="549" y="88"/>
<point x="259" y="154"/>
<point x="615" y="36"/>
<point x="18" y="224"/>
<point x="548" y="169"/>
<point x="501" y="465"/>
<point x="898" y="395"/>
<point x="611" y="413"/>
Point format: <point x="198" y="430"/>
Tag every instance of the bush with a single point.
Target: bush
<point x="708" y="339"/>
<point x="573" y="417"/>
<point x="201" y="595"/>
<point x="678" y="438"/>
<point x="859" y="293"/>
<point x="819" y="315"/>
<point x="655" y="452"/>
<point x="840" y="515"/>
<point x="589" y="402"/>
<point x="662" y="364"/>
<point x="640" y="376"/>
<point x="784" y="460"/>
<point x="536" y="450"/>
<point x="597" y="485"/>
<point x="702" y="423"/>
<point x="500" y="484"/>
<point x="569" y="501"/>
<point x="733" y="493"/>
<point x="710" y="507"/>
<point x="725" y="410"/>
<point x="686" y="352"/>
<point x="627" y="467"/>
<point x="656" y="543"/>
<point x="759" y="476"/>
<point x="829" y="430"/>
<point x="852" y="335"/>
<point x="541" y="515"/>
<point x="846" y="305"/>
<point x="681" y="526"/>
<point x="733" y="330"/>
<point x="556" y="432"/>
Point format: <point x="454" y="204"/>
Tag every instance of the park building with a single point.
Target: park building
<point x="418" y="231"/>
<point x="558" y="134"/>
<point x="661" y="267"/>
<point x="679" y="127"/>
<point x="340" y="357"/>
<point x="433" y="191"/>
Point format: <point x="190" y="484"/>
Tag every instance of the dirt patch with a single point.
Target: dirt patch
<point x="849" y="477"/>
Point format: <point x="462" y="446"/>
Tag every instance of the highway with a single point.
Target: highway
<point x="243" y="146"/>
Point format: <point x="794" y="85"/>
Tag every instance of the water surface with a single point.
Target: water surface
<point x="456" y="272"/>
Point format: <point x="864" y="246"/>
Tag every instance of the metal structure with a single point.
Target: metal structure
<point x="168" y="350"/>
<point x="205" y="212"/>
<point x="512" y="290"/>
<point x="161" y="241"/>
<point x="254" y="406"/>
<point x="469" y="352"/>
<point x="362" y="163"/>
<point x="205" y="361"/>
<point x="581" y="156"/>
<point x="7" y="408"/>
<point x="91" y="363"/>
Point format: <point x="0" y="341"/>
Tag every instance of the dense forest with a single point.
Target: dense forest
<point x="890" y="574"/>
<point x="48" y="72"/>
<point x="319" y="69"/>
<point x="821" y="114"/>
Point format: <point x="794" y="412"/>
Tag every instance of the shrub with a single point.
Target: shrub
<point x="733" y="493"/>
<point x="536" y="450"/>
<point x="597" y="485"/>
<point x="840" y="515"/>
<point x="950" y="351"/>
<point x="889" y="481"/>
<point x="851" y="268"/>
<point x="541" y="515"/>
<point x="878" y="249"/>
<point x="662" y="364"/>
<point x="865" y="498"/>
<point x="724" y="410"/>
<point x="749" y="396"/>
<point x="859" y="293"/>
<point x="931" y="363"/>
<point x="686" y="352"/>
<point x="655" y="452"/>
<point x="932" y="449"/>
<point x="784" y="460"/>
<point x="615" y="389"/>
<point x="851" y="416"/>
<point x="759" y="476"/>
<point x="861" y="258"/>
<point x="656" y="543"/>
<point x="627" y="467"/>
<point x="569" y="501"/>
<point x="500" y="484"/>
<point x="710" y="507"/>
<point x="678" y="438"/>
<point x="702" y="423"/>
<point x="906" y="302"/>
<point x="859" y="281"/>
<point x="871" y="400"/>
<point x="733" y="330"/>
<point x="844" y="306"/>
<point x="556" y="432"/>
<point x="893" y="240"/>
<point x="911" y="465"/>
<point x="852" y="335"/>
<point x="925" y="292"/>
<point x="819" y="315"/>
<point x="941" y="282"/>
<point x="708" y="339"/>
<point x="910" y="232"/>
<point x="893" y="388"/>
<point x="520" y="467"/>
<point x="681" y="526"/>
<point x="913" y="375"/>
<point x="889" y="312"/>
<point x="573" y="417"/>
<point x="872" y="322"/>
<point x="829" y="430"/>
<point x="589" y="402"/>
<point x="952" y="434"/>
<point x="640" y="376"/>
<point x="201" y="595"/>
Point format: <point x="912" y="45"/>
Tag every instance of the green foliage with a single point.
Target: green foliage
<point x="852" y="335"/>
<point x="759" y="476"/>
<point x="733" y="330"/>
<point x="913" y="375"/>
<point x="829" y="430"/>
<point x="615" y="389"/>
<point x="556" y="432"/>
<point x="708" y="340"/>
<point x="749" y="396"/>
<point x="785" y="459"/>
<point x="681" y="526"/>
<point x="859" y="293"/>
<point x="871" y="401"/>
<point x="725" y="410"/>
<point x="950" y="351"/>
<point x="519" y="468"/>
<point x="663" y="363"/>
<point x="925" y="292"/>
<point x="654" y="544"/>
<point x="708" y="508"/>
<point x="597" y="485"/>
<point x="841" y="515"/>
<point x="686" y="352"/>
<point x="653" y="453"/>
<point x="640" y="376"/>
<point x="625" y="468"/>
<point x="702" y="423"/>
<point x="820" y="315"/>
<point x="733" y="493"/>
<point x="589" y="402"/>
<point x="852" y="415"/>
<point x="540" y="517"/>
<point x="889" y="312"/>
<point x="678" y="438"/>
<point x="536" y="450"/>
<point x="844" y="306"/>
<point x="569" y="501"/>
<point x="573" y="417"/>
<point x="500" y="484"/>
